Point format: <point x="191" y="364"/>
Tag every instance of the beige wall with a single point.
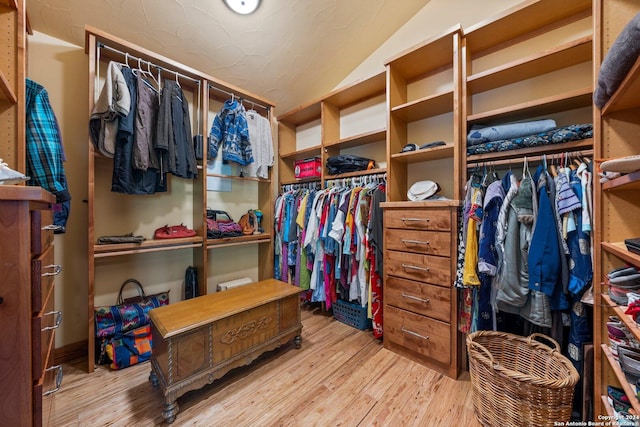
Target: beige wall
<point x="62" y="69"/>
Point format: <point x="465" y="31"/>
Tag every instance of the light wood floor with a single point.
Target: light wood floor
<point x="340" y="377"/>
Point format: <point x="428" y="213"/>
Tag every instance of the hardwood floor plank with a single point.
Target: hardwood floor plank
<point x="341" y="376"/>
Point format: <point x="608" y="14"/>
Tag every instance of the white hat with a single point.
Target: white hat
<point x="422" y="190"/>
<point x="626" y="164"/>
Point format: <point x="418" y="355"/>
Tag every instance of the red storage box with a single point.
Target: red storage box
<point x="308" y="168"/>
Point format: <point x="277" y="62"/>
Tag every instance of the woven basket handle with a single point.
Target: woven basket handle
<point x="138" y="286"/>
<point x="481" y="348"/>
<point x="544" y="338"/>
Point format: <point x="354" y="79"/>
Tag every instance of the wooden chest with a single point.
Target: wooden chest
<point x="199" y="340"/>
<point x="419" y="299"/>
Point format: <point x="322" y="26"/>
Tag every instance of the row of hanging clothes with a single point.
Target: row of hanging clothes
<point x="525" y="251"/>
<point x="329" y="242"/>
<point x="142" y="121"/>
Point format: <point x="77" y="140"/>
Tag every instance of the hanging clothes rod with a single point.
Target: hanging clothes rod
<point x="233" y="95"/>
<point x="101" y="45"/>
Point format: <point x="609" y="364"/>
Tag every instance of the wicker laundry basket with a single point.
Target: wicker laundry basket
<point x="518" y="381"/>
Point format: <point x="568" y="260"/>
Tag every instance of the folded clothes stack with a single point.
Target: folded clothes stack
<point x="621" y="405"/>
<point x="615" y="167"/>
<point x="624" y="285"/>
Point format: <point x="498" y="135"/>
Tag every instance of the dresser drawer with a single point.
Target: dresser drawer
<point x="421" y="298"/>
<point x="418" y="334"/>
<point x="43" y="391"/>
<point x="41" y="231"/>
<point x="423" y="268"/>
<point x="43" y="272"/>
<point x="418" y="219"/>
<point x="423" y="242"/>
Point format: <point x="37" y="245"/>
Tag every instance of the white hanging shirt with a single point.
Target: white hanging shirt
<point x="261" y="144"/>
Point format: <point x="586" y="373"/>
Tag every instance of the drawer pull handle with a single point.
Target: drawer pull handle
<point x="415" y="334"/>
<point x="52" y="227"/>
<point x="415" y="219"/>
<point x="415" y="267"/>
<point x="58" y="314"/>
<point x="424" y="300"/>
<point x="416" y="242"/>
<point x="59" y="376"/>
<point x="56" y="270"/>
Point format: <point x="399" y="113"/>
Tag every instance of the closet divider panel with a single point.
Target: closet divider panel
<point x="161" y="262"/>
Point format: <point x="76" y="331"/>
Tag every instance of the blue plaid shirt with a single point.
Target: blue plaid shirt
<point x="45" y="154"/>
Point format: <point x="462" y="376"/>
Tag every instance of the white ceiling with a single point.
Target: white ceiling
<point x="288" y="51"/>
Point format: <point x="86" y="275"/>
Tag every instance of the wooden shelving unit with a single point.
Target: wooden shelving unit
<point x="617" y="201"/>
<point x="184" y="201"/>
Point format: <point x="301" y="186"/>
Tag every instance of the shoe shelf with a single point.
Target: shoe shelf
<point x="571" y="100"/>
<point x="629" y="389"/>
<point x="153" y="245"/>
<point x="563" y="56"/>
<point x="240" y="240"/>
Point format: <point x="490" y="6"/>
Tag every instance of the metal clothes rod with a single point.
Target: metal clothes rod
<point x="233" y="95"/>
<point x="101" y="45"/>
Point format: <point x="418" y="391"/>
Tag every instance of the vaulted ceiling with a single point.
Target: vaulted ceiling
<point x="288" y="51"/>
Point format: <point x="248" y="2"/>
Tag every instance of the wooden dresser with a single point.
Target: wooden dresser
<point x="199" y="340"/>
<point x="27" y="316"/>
<point x="420" y="307"/>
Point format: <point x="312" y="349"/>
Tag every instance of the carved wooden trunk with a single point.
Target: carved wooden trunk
<point x="199" y="340"/>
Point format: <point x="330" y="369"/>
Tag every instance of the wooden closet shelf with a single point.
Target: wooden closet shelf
<point x="11" y="4"/>
<point x="620" y="312"/>
<point x="426" y="154"/>
<point x="361" y="139"/>
<point x="584" y="146"/>
<point x="423" y="108"/>
<point x="305" y="153"/>
<point x="6" y="92"/>
<point x="153" y="245"/>
<point x="301" y="181"/>
<point x="238" y="178"/>
<point x="570" y="100"/>
<point x="301" y="115"/>
<point x="358" y="92"/>
<point x="630" y="181"/>
<point x="628" y="388"/>
<point x="626" y="97"/>
<point x="240" y="240"/>
<point x="566" y="55"/>
<point x="619" y="249"/>
<point x="356" y="174"/>
<point x="521" y="20"/>
<point x="606" y="406"/>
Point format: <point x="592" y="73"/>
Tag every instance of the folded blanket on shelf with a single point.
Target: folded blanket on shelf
<point x="480" y="134"/>
<point x="618" y="61"/>
<point x="563" y="134"/>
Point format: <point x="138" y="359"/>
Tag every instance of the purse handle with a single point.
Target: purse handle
<point x="138" y="286"/>
<point x="213" y="214"/>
